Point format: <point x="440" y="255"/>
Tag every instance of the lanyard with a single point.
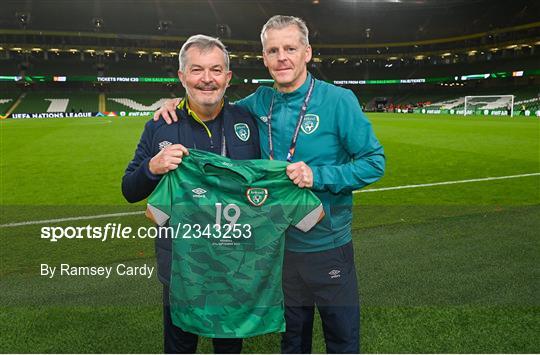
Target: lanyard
<point x="197" y="119"/>
<point x="301" y="115"/>
<point x="223" y="143"/>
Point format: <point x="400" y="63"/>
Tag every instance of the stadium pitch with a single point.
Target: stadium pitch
<point x="448" y="268"/>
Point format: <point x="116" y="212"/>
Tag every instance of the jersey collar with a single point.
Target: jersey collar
<point x="246" y="174"/>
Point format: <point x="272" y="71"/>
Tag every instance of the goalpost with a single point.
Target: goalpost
<point x="486" y="102"/>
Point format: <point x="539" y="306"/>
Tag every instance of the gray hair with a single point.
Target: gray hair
<point x="204" y="44"/>
<point x="280" y="21"/>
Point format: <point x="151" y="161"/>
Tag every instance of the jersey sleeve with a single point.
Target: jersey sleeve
<point x="308" y="210"/>
<point x="159" y="207"/>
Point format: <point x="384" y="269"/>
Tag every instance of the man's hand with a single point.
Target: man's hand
<point x="167" y="159"/>
<point x="301" y="174"/>
<point x="168" y="111"/>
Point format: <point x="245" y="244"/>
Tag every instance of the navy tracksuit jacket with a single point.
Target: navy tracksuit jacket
<point x="138" y="182"/>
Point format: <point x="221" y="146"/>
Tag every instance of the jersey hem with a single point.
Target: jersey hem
<point x="279" y="329"/>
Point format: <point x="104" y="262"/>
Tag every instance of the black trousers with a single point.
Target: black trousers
<point x="327" y="280"/>
<point x="177" y="341"/>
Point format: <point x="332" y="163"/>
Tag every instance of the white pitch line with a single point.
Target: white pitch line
<point x="80" y="218"/>
<point x="27" y="223"/>
<point x="446" y="183"/>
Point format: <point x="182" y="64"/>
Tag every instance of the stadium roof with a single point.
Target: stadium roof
<point x="330" y="21"/>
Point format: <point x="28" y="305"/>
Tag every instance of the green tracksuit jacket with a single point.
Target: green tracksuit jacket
<point x="336" y="140"/>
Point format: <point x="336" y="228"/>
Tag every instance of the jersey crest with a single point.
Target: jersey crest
<point x="242" y="131"/>
<point x="310" y="123"/>
<point x="257" y="196"/>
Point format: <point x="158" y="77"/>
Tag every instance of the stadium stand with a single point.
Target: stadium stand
<point x="425" y="50"/>
<point x="397" y="94"/>
<point x="147" y="98"/>
<point x="7" y="99"/>
<point x="411" y="69"/>
<point x="136" y="101"/>
<point x="58" y="101"/>
<point x="524" y="98"/>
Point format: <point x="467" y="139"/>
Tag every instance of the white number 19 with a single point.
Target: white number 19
<point x="232" y="219"/>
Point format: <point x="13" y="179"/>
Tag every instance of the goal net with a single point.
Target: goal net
<point x="502" y="105"/>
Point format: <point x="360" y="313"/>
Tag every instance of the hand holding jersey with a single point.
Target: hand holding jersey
<point x="300" y="173"/>
<point x="167" y="159"/>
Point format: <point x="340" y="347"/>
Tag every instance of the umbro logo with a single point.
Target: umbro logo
<point x="199" y="192"/>
<point x="334" y="274"/>
<point x="164" y="144"/>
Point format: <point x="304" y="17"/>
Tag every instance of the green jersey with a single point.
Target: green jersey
<point x="228" y="219"/>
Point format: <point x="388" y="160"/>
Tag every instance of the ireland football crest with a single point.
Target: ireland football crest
<point x="310" y="123"/>
<point x="256" y="195"/>
<point x="242" y="131"/>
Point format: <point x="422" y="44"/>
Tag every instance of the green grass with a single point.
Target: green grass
<point x="445" y="269"/>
